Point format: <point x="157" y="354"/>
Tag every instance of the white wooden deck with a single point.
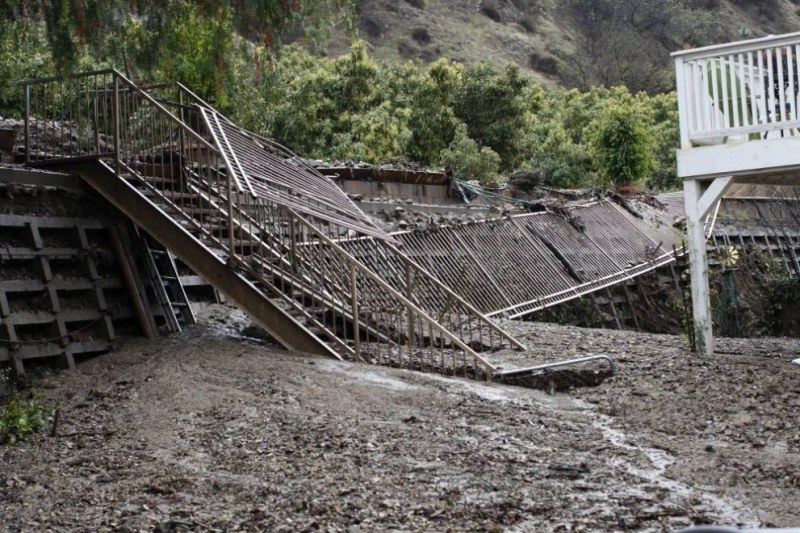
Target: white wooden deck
<point x="739" y="114"/>
<point x="739" y="109"/>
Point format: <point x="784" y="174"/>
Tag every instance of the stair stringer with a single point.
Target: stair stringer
<point x="277" y="322"/>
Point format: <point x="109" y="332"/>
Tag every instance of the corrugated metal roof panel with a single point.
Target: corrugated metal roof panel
<point x="614" y="233"/>
<point x="673" y="202"/>
<point x="520" y="262"/>
<point x="532" y="261"/>
<point x="278" y="177"/>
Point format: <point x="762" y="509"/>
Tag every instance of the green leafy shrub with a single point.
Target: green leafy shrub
<point x="665" y="134"/>
<point x="564" y="163"/>
<point x="491" y="103"/>
<point x="20" y="414"/>
<point x="198" y="48"/>
<point x="23" y="55"/>
<point x="375" y="136"/>
<point x="468" y="161"/>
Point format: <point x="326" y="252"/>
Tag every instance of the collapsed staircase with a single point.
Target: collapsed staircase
<point x="277" y="238"/>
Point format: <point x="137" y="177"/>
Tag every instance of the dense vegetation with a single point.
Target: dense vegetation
<point x="478" y="120"/>
<point x="481" y="121"/>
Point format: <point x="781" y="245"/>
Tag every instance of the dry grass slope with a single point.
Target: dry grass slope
<point x="528" y="33"/>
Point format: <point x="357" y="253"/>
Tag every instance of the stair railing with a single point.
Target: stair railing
<point x="376" y="254"/>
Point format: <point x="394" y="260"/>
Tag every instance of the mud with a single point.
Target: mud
<point x="206" y="432"/>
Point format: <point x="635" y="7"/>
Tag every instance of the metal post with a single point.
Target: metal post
<point x="354" y="305"/>
<point x="409" y="293"/>
<point x="96" y="119"/>
<point x="27" y="124"/>
<point x="293" y="244"/>
<point x="231" y="240"/>
<point x="182" y="141"/>
<point x="117" y="162"/>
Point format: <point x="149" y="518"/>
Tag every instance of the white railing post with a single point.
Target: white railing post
<point x="683" y="102"/>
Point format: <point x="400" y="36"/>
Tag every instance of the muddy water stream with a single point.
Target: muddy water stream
<point x="729" y="512"/>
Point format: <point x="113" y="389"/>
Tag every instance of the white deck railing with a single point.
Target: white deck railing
<point x="747" y="90"/>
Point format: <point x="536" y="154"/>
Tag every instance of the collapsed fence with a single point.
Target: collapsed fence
<point x="517" y="265"/>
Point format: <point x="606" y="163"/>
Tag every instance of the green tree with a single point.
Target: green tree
<point x="198" y="47"/>
<point x="492" y="105"/>
<point x="621" y="146"/>
<point x="374" y="136"/>
<point x="23" y="55"/>
<point x="301" y="103"/>
<point x="564" y="163"/>
<point x="142" y="35"/>
<point x="663" y="130"/>
<point x="433" y="118"/>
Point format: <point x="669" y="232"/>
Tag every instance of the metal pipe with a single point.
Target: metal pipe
<point x="500" y="374"/>
<point x="116" y="117"/>
<point x="27" y="124"/>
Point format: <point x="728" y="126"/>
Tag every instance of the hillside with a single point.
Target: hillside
<point x="567" y="41"/>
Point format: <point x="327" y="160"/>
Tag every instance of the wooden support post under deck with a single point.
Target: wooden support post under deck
<point x="628" y="297"/>
<point x="731" y="126"/>
<point x="701" y="304"/>
<point x="613" y="308"/>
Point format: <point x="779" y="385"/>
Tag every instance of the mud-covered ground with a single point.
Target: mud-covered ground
<point x="206" y="432"/>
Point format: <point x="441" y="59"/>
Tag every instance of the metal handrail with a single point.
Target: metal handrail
<point x="550" y="366"/>
<point x="397" y="295"/>
<point x="173" y="118"/>
<point x="443" y="287"/>
<point x="470" y="307"/>
<point x="88" y="74"/>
